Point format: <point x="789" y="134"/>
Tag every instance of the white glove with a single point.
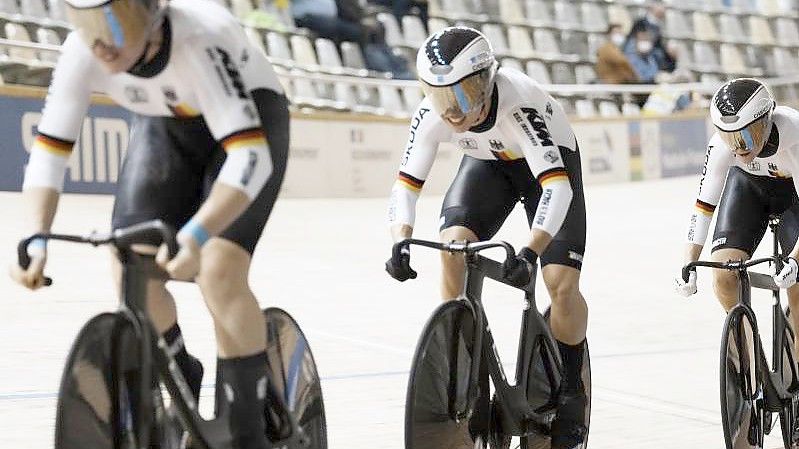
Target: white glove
<point x="685" y="288"/>
<point x="787" y="276"/>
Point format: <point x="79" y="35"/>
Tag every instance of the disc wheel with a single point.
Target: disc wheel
<point x="437" y="415"/>
<point x="294" y="378"/>
<point x="786" y="367"/>
<point x="741" y="385"/>
<point x="542" y="390"/>
<point x="99" y="399"/>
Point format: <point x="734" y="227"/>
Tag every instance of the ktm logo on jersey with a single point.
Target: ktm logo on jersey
<point x="232" y="72"/>
<point x="539" y="126"/>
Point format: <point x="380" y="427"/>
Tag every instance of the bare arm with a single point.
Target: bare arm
<point x="401" y="232"/>
<point x="223" y="206"/>
<point x="42" y="203"/>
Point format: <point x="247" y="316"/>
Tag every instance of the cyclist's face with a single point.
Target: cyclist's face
<point x="461" y="123"/>
<point x="115" y="59"/>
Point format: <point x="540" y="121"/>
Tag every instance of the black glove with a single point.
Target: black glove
<point x="400" y="269"/>
<point x="518" y="272"/>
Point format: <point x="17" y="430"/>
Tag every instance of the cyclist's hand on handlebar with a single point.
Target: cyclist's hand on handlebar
<point x="401" y="269"/>
<point x="186" y="264"/>
<point x="685" y="287"/>
<point x="518" y="272"/>
<point x="787" y="276"/>
<point x="31" y="277"/>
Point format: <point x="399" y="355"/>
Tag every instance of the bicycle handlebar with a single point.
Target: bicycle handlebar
<point x="468" y="248"/>
<point x="758" y="280"/>
<point x="120" y="238"/>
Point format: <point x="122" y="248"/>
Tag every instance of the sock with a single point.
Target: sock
<point x="244" y="386"/>
<point x="572" y="356"/>
<point x="191" y="368"/>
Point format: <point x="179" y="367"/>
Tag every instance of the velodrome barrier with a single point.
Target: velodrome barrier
<point x="348" y="155"/>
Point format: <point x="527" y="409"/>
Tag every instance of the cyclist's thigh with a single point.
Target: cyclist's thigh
<point x="479" y="199"/>
<point x="156" y="180"/>
<point x="789" y="227"/>
<point x="247" y="229"/>
<point x="742" y="214"/>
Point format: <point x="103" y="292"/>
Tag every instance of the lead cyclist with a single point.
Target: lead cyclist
<point x="207" y="154"/>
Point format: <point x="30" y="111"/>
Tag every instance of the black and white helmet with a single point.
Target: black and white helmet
<point x="114" y="23"/>
<point x="456" y="67"/>
<point x="741" y="111"/>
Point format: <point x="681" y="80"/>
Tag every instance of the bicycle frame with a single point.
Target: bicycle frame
<point x="519" y="413"/>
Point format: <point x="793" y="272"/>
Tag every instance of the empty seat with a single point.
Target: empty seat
<point x="769" y="7"/>
<point x="567" y="16"/>
<point x="393" y="33"/>
<point x="33" y="8"/>
<point x="496" y="35"/>
<point x="545" y="43"/>
<point x="608" y="109"/>
<point x="677" y="26"/>
<point x="413" y="31"/>
<point x="759" y="31"/>
<point x="512" y="63"/>
<point x="278" y="46"/>
<point x="48" y="36"/>
<point x="327" y="53"/>
<point x="521" y="45"/>
<point x="538" y="71"/>
<point x="511" y="11"/>
<point x="352" y="55"/>
<point x="241" y="8"/>
<point x="538" y="12"/>
<point x="619" y="14"/>
<point x="573" y="43"/>
<point x="705" y="59"/>
<point x="390" y="100"/>
<point x="630" y="110"/>
<point x="584" y="74"/>
<point x="787" y="32"/>
<point x="732" y="61"/>
<point x="594" y="17"/>
<point x="256" y="38"/>
<point x="9" y="6"/>
<point x="562" y="73"/>
<point x="733" y="30"/>
<point x="756" y="58"/>
<point x="585" y="108"/>
<point x="435" y="24"/>
<point x="744" y="6"/>
<point x="784" y="62"/>
<point x="455" y="8"/>
<point x="17" y="32"/>
<point x="301" y="50"/>
<point x="413" y="96"/>
<point x="56" y="8"/>
<point x="710" y="78"/>
<point x="704" y="27"/>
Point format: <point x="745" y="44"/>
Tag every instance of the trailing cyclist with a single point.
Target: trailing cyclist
<point x="749" y="168"/>
<point x="518" y="146"/>
<point x="207" y="154"/>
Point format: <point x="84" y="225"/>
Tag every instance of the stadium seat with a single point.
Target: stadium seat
<point x="33" y="8"/>
<point x="241" y="8"/>
<point x="594" y="17"/>
<point x="48" y="36"/>
<point x="278" y="46"/>
<point x="784" y="62"/>
<point x="435" y="24"/>
<point x="756" y="58"/>
<point x="256" y="38"/>
<point x="521" y="45"/>
<point x="390" y="100"/>
<point x="787" y="32"/>
<point x="769" y="7"/>
<point x="733" y="31"/>
<point x="9" y="6"/>
<point x="352" y="55"/>
<point x="677" y="26"/>
<point x="496" y="35"/>
<point x="567" y="16"/>
<point x="56" y="8"/>
<point x="393" y="32"/>
<point x="512" y="63"/>
<point x="710" y="78"/>
<point x="413" y="96"/>
<point x="17" y="32"/>
<point x="563" y="73"/>
<point x="302" y="51"/>
<point x="742" y="6"/>
<point x="618" y="14"/>
<point x="538" y="71"/>
<point x="609" y="109"/>
<point x="704" y="27"/>
<point x="585" y="74"/>
<point x="684" y="54"/>
<point x="413" y="31"/>
<point x="759" y="31"/>
<point x="511" y="12"/>
<point x="705" y="59"/>
<point x="573" y="43"/>
<point x="732" y="61"/>
<point x="630" y="110"/>
<point x="327" y="52"/>
<point x="538" y="13"/>
<point x="585" y="108"/>
<point x="545" y="44"/>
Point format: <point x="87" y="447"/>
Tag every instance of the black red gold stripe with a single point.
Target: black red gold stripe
<point x="551" y="175"/>
<point x="244" y="139"/>
<point x="183" y="111"/>
<point x="410" y="182"/>
<point x="705" y="208"/>
<point x="502" y="155"/>
<point x="54" y="145"/>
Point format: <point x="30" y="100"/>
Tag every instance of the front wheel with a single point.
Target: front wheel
<point x="740" y="382"/>
<point x="786" y="368"/>
<point x="438" y="412"/>
<point x="293" y="378"/>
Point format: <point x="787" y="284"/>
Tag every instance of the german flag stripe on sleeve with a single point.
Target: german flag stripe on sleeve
<point x="409" y="182"/>
<point x="502" y="155"/>
<point x="705" y="208"/>
<point x="54" y="145"/>
<point x="183" y="111"/>
<point x="555" y="174"/>
<point x="244" y="139"/>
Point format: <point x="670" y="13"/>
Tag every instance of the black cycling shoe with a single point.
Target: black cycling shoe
<point x="194" y="376"/>
<point x="568" y="427"/>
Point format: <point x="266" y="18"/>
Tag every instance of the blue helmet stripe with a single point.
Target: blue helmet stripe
<point x="747" y="136"/>
<point x="460" y="95"/>
<point x="114" y="25"/>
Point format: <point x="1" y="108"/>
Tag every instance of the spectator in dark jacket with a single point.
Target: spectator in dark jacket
<point x="404" y="7"/>
<point x="325" y="19"/>
<point x="380" y="57"/>
<point x="652" y="22"/>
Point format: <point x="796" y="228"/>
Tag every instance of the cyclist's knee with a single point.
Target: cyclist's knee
<point x="224" y="268"/>
<point x="725" y="285"/>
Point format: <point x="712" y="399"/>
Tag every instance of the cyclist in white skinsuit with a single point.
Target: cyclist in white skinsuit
<point x="518" y="146"/>
<point x="749" y="174"/>
<point x="207" y="153"/>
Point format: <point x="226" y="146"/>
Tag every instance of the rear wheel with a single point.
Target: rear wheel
<point x="741" y="386"/>
<point x="294" y="379"/>
<point x="437" y="412"/>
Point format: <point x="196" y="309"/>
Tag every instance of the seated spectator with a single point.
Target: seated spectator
<point x="380" y="57"/>
<point x="641" y="54"/>
<point x="405" y="7"/>
<point x="324" y="19"/>
<point x="651" y="22"/>
<point x="612" y="66"/>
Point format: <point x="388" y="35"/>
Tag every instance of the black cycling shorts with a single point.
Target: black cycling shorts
<point x="746" y="205"/>
<point x="171" y="165"/>
<point x="484" y="192"/>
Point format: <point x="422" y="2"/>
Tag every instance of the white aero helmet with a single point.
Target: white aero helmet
<point x="114" y="23"/>
<point x="741" y="111"/>
<point x="456" y="67"/>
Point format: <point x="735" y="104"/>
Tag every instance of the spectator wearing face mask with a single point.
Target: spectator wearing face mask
<point x="640" y="53"/>
<point x="612" y="66"/>
<point x="652" y="22"/>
